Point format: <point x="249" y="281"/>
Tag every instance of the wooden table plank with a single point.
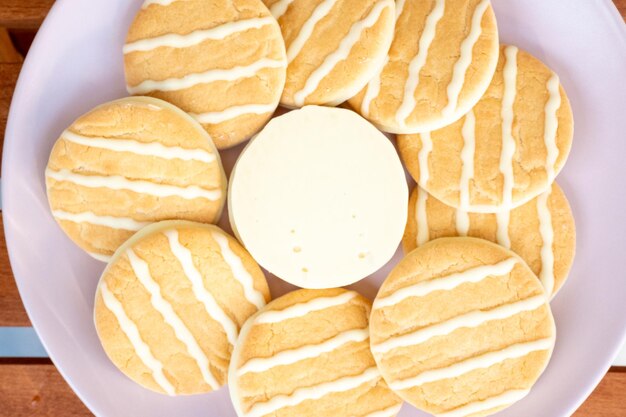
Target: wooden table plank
<point x="36" y="389"/>
<point x="621" y="6"/>
<point x="43" y="392"/>
<point x="12" y="311"/>
<point x="23" y="13"/>
<point x="609" y="397"/>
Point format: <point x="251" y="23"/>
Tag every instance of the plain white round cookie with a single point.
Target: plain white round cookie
<point x="319" y="198"/>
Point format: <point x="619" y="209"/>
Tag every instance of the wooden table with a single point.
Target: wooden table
<point x="33" y="387"/>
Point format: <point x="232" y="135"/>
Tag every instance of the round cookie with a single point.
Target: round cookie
<point x="307" y="354"/>
<point x="460" y="327"/>
<point x="128" y="163"/>
<point x="334" y="47"/>
<point x="441" y="61"/>
<point x="507" y="150"/>
<point x="319" y="198"/>
<point x="170" y="303"/>
<point x="542" y="232"/>
<point x="221" y="61"/>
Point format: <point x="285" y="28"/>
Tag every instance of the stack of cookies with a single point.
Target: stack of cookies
<point x="318" y="198"/>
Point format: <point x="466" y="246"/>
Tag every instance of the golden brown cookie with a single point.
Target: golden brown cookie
<point x="334" y="47"/>
<point x="507" y="150"/>
<point x="129" y="163"/>
<point x="169" y="305"/>
<point x="541" y="231"/>
<point x="461" y="327"/>
<point x="440" y="63"/>
<point x="307" y="354"/>
<point x="221" y="61"/>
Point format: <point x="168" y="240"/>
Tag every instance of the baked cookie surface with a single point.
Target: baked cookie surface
<point x="334" y="47"/>
<point x="319" y="198"/>
<point x="461" y="327"/>
<point x="171" y="302"/>
<point x="128" y="163"/>
<point x="441" y="61"/>
<point x="542" y="232"/>
<point x="221" y="61"/>
<point x="307" y="354"/>
<point x="507" y="150"/>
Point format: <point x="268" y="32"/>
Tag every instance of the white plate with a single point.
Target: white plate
<point x="76" y="63"/>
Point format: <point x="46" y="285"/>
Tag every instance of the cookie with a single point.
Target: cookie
<point x="319" y="198"/>
<point x="334" y="47"/>
<point x="507" y="150"/>
<point x="461" y="327"/>
<point x="441" y="61"/>
<point x="169" y="305"/>
<point x="542" y="232"/>
<point x="307" y="354"/>
<point x="128" y="163"/>
<point x="221" y="61"/>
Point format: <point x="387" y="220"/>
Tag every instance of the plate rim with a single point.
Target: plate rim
<point x="10" y="142"/>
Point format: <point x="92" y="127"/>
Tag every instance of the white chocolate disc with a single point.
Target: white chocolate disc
<point x="319" y="198"/>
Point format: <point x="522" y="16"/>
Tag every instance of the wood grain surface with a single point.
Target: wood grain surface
<point x="33" y="387"/>
<point x="23" y="13"/>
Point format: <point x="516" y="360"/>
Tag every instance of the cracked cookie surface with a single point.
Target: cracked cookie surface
<point x="507" y="150"/>
<point x="307" y="354"/>
<point x="541" y="231"/>
<point x="461" y="327"/>
<point x="129" y="163"/>
<point x="170" y="305"/>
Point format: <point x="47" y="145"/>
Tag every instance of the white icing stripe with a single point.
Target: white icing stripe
<point x="124" y="223"/>
<point x="230" y="74"/>
<point x="471" y="319"/>
<point x="313" y="393"/>
<point x="302" y="309"/>
<point x="467" y="158"/>
<point x="417" y="63"/>
<point x="132" y="332"/>
<point x="116" y="182"/>
<point x="287" y="357"/>
<point x="280" y="8"/>
<point x="421" y="217"/>
<point x="478" y="362"/>
<point x="447" y="283"/>
<point x="468" y="132"/>
<point x="502" y="232"/>
<point x="232" y="112"/>
<point x="240" y="273"/>
<point x="307" y="28"/>
<point x="142" y="272"/>
<point x="508" y="141"/>
<point x="465" y="59"/>
<point x="422" y="158"/>
<point x="196" y="37"/>
<point x="147" y="3"/>
<point x="341" y="53"/>
<point x="140" y="148"/>
<point x="509" y="397"/>
<point x="185" y="258"/>
<point x="547" y="237"/>
<point x="462" y="220"/>
<point x="552" y="124"/>
<point x="421" y="214"/>
<point x="387" y="412"/>
<point x="100" y="256"/>
<point x="373" y="87"/>
<point x="399" y="8"/>
<point x="372" y="90"/>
